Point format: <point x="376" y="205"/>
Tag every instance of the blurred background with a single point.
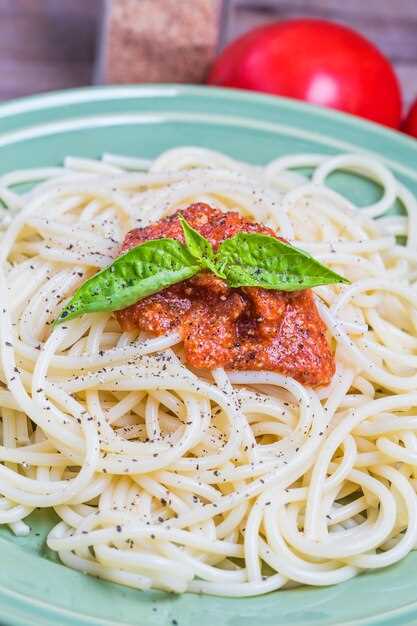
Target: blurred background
<point x="54" y="44"/>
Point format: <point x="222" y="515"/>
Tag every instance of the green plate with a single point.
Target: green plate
<point x="35" y="590"/>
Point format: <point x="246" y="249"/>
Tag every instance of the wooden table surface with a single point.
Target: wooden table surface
<point x="51" y="44"/>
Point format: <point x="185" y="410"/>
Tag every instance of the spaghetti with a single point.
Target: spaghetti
<point x="223" y="482"/>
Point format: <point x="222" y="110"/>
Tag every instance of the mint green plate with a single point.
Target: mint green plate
<point x="36" y="590"/>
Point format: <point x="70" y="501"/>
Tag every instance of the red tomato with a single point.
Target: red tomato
<point x="317" y="61"/>
<point x="410" y="124"/>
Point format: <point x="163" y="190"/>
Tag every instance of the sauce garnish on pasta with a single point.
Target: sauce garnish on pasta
<point x="245" y="328"/>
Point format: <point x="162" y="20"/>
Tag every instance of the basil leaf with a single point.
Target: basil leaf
<point x="257" y="260"/>
<point x="199" y="247"/>
<point x="140" y="272"/>
<point x="245" y="260"/>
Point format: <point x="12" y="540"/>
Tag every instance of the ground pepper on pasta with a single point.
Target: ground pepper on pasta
<point x="220" y="481"/>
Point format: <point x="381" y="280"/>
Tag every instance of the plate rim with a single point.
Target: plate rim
<point x="61" y="97"/>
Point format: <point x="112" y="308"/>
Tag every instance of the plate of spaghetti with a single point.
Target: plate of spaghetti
<point x="208" y="362"/>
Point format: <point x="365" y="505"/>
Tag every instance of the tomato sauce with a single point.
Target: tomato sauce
<point x="247" y="328"/>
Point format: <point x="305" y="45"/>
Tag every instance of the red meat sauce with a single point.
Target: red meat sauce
<point x="245" y="329"/>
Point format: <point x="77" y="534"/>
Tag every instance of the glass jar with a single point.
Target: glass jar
<point x="158" y="41"/>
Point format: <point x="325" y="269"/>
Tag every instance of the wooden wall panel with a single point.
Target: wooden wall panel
<point x="51" y="44"/>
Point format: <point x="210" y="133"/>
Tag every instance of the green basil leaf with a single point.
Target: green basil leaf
<point x="257" y="260"/>
<point x="140" y="272"/>
<point x="196" y="244"/>
<point x="199" y="247"/>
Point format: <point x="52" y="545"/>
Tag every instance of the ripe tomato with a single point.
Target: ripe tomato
<point x="313" y="60"/>
<point x="410" y="124"/>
